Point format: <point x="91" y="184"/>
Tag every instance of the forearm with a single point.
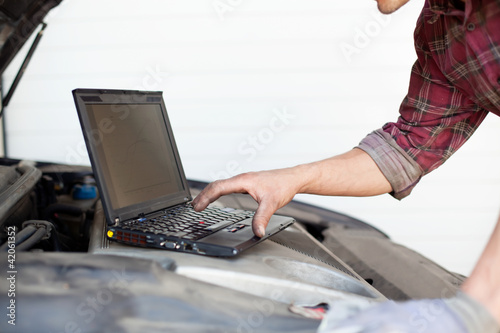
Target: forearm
<point x="484" y="283"/>
<point x="351" y="174"/>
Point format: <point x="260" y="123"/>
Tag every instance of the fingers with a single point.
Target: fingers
<point x="265" y="195"/>
<point x="205" y="197"/>
<point x="215" y="190"/>
<point x="261" y="218"/>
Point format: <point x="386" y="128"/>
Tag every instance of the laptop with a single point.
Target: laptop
<point x="143" y="189"/>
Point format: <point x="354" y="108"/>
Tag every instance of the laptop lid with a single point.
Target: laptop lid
<point x="132" y="151"/>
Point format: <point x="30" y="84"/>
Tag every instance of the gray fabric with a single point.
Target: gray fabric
<point x="459" y="314"/>
<point x="402" y="172"/>
<point x="422" y="316"/>
<point x="474" y="316"/>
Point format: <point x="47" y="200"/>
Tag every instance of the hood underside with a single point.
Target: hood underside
<point x="18" y="20"/>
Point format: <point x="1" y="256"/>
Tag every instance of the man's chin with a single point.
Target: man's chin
<point x="390" y="6"/>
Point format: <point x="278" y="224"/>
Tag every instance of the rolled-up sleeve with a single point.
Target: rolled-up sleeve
<point x="402" y="172"/>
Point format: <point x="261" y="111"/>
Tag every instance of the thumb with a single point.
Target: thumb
<point x="261" y="218"/>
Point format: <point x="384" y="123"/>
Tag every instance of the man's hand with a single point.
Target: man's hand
<point x="351" y="174"/>
<point x="271" y="189"/>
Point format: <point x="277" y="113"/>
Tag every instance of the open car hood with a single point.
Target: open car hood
<point x="18" y="20"/>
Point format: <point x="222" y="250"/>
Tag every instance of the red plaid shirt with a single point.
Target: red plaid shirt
<point x="454" y="84"/>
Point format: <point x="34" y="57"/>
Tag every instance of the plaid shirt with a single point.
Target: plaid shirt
<point x="454" y="84"/>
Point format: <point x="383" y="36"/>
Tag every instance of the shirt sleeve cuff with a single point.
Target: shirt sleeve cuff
<point x="402" y="172"/>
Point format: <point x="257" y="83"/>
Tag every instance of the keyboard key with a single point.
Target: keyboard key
<point x="179" y="234"/>
<point x="183" y="221"/>
<point x="220" y="225"/>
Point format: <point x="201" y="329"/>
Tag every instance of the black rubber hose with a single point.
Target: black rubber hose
<point x="21" y="236"/>
<point x="61" y="208"/>
<point x="33" y="240"/>
<point x="56" y="244"/>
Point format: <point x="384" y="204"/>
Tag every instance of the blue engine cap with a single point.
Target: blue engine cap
<point x="84" y="191"/>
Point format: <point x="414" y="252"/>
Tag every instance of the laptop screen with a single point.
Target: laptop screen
<point x="135" y="153"/>
<point x="132" y="151"/>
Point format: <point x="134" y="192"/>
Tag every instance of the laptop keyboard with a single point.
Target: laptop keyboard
<point x="184" y="222"/>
